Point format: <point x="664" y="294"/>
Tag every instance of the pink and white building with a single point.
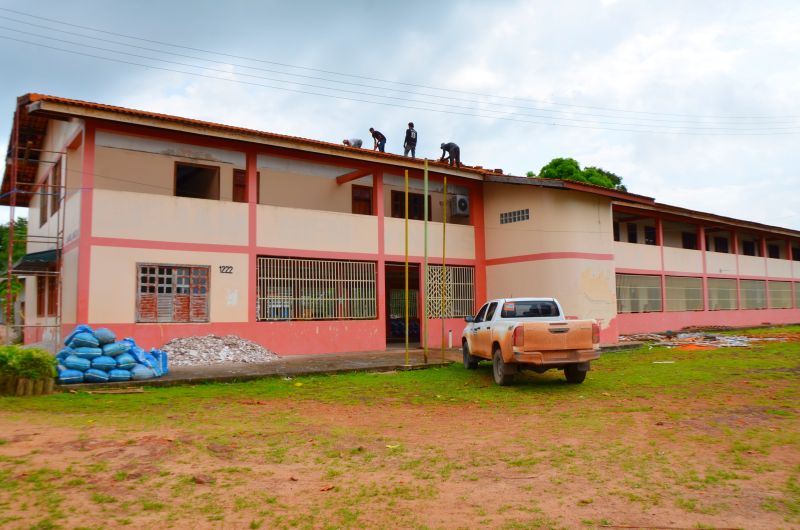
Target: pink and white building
<point x="160" y="226"/>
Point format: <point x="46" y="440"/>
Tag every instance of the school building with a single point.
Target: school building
<point x="159" y="227"/>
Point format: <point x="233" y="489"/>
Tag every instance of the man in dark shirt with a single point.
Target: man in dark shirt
<point x="380" y="140"/>
<point x="410" y="143"/>
<point x="453" y="153"/>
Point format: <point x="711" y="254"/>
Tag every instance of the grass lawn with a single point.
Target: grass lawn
<point x="654" y="437"/>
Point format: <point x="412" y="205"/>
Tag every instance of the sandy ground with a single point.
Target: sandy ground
<point x="386" y="464"/>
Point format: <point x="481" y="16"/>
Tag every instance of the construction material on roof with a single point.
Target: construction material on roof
<point x="213" y="349"/>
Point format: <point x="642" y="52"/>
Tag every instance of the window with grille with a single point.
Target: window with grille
<point x="315" y="289"/>
<point x="797" y="294"/>
<point x="638" y="293"/>
<point x="459" y="291"/>
<point x="172" y="293"/>
<point x="684" y="294"/>
<point x="753" y="294"/>
<point x="721" y="294"/>
<point x="780" y="295"/>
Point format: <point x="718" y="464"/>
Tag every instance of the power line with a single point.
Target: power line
<point x="569" y="105"/>
<point x="346" y="91"/>
<point x="383" y="103"/>
<point x="328" y="80"/>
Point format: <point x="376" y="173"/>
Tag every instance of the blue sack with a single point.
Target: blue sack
<point x="93" y="375"/>
<point x="84" y="339"/>
<point x="141" y="372"/>
<point x="105" y="363"/>
<point x="63" y="354"/>
<point x="105" y="336"/>
<point x="137" y="354"/>
<point x="68" y="377"/>
<point x="115" y="348"/>
<point x="73" y="362"/>
<point x="125" y="361"/>
<point x="161" y="357"/>
<point x="80" y="329"/>
<point x="84" y="352"/>
<point x="119" y="375"/>
<point x="153" y="363"/>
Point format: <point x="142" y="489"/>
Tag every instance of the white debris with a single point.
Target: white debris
<point x="213" y="349"/>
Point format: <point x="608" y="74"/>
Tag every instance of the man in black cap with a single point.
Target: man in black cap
<point x="380" y="140"/>
<point x="410" y="143"/>
<point x="453" y="153"/>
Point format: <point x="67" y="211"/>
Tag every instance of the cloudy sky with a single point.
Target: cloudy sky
<point x="693" y="103"/>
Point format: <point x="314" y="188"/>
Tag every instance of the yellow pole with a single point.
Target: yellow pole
<point x="406" y="290"/>
<point x="444" y="247"/>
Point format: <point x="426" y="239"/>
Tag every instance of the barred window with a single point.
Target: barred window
<point x="721" y="294"/>
<point x="315" y="289"/>
<point x="637" y="293"/>
<point x="797" y="294"/>
<point x="684" y="294"/>
<point x="780" y="295"/>
<point x="172" y="293"/>
<point x="754" y="294"/>
<point x="459" y="291"/>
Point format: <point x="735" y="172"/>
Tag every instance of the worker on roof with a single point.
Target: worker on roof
<point x="353" y="142"/>
<point x="380" y="140"/>
<point x="410" y="143"/>
<point x="453" y="153"/>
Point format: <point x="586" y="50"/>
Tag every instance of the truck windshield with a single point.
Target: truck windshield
<point x="529" y="308"/>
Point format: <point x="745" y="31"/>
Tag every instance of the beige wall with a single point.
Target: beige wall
<point x="146" y="165"/>
<point x="585" y="288"/>
<point x="779" y="268"/>
<point x="460" y="239"/>
<point x="112" y="285"/>
<point x="292" y="190"/>
<point x="683" y="260"/>
<point x="560" y="221"/>
<point x="673" y="233"/>
<point x="752" y="266"/>
<point x="636" y="256"/>
<point x="296" y="228"/>
<point x="718" y="263"/>
<point x="166" y="218"/>
<point x="69" y="287"/>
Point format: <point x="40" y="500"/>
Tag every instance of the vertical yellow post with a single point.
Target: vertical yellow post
<point x="444" y="253"/>
<point x="406" y="275"/>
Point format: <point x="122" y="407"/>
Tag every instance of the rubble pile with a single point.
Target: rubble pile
<point x="696" y="340"/>
<point x="213" y="349"/>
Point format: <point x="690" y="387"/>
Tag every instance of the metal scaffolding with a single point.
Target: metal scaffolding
<point x="22" y="152"/>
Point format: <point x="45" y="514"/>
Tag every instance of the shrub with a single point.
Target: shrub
<point x="28" y="363"/>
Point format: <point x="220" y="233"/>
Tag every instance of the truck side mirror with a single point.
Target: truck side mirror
<point x="469" y="319"/>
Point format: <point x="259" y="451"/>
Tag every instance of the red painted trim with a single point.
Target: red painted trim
<point x="549" y="255"/>
<point x="251" y="163"/>
<point x="379" y="206"/>
<point x="167" y="245"/>
<point x="701" y="236"/>
<point x="479" y="229"/>
<point x="85" y="231"/>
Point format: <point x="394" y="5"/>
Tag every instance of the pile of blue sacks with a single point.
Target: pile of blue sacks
<point x="96" y="356"/>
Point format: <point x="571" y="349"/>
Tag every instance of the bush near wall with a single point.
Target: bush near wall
<point x="26" y="371"/>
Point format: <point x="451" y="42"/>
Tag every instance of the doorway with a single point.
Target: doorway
<point x="395" y="303"/>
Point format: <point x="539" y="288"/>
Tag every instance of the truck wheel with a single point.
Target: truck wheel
<point x="573" y="375"/>
<point x="503" y="372"/>
<point x="470" y="362"/>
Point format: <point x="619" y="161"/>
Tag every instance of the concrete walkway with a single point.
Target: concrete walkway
<point x="392" y="359"/>
<point x="291" y="365"/>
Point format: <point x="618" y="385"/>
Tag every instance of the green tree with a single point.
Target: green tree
<point x="564" y="169"/>
<point x="570" y="169"/>
<point x="20" y="246"/>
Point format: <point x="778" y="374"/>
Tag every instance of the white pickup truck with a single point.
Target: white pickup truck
<point x="532" y="334"/>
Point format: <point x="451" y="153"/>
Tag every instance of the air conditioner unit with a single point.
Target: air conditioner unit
<point x="459" y="206"/>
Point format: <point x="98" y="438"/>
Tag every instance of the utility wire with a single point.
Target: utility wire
<point x="346" y="91"/>
<point x="367" y="78"/>
<point x="505" y="118"/>
<point x="328" y="80"/>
